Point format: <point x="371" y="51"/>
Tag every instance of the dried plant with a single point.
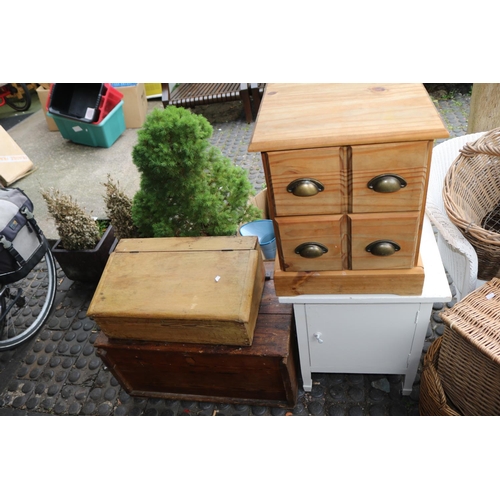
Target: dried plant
<point x="77" y="229"/>
<point x="119" y="210"/>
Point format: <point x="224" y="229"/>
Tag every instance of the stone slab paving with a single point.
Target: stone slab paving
<point x="58" y="372"/>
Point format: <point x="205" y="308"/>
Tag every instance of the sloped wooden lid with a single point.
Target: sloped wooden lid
<point x="151" y="279"/>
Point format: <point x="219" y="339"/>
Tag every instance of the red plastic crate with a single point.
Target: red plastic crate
<point x="110" y="98"/>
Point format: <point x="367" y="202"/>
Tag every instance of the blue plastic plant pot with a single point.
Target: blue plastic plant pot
<point x="264" y="231"/>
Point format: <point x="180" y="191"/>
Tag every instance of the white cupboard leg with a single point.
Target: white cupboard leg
<point x="417" y="347"/>
<point x="302" y="340"/>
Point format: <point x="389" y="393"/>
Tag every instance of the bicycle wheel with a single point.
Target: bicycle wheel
<point x="26" y="304"/>
<point x="20" y="97"/>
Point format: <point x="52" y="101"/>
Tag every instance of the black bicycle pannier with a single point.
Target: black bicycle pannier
<point x="21" y="244"/>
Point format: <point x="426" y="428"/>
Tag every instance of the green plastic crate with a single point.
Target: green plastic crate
<point x="102" y="135"/>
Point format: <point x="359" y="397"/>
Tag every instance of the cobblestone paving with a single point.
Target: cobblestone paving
<point x="58" y="372"/>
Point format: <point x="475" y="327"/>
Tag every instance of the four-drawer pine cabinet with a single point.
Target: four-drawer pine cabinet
<point x="346" y="169"/>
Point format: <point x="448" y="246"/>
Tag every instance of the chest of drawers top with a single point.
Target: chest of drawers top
<point x="298" y="116"/>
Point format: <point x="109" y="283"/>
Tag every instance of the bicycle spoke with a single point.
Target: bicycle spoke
<point x="25" y="306"/>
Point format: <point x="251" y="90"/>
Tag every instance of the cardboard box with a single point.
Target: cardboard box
<point x="135" y="105"/>
<point x="14" y="164"/>
<point x="43" y="95"/>
<point x="204" y="290"/>
<point x="260" y="201"/>
<point x="153" y="90"/>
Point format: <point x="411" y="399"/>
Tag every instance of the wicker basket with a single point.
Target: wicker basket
<point x="471" y="196"/>
<point x="433" y="401"/>
<point x="469" y="359"/>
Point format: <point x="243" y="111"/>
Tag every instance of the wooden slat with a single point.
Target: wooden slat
<point x="205" y="93"/>
<point x="191" y="244"/>
<point x="392" y="281"/>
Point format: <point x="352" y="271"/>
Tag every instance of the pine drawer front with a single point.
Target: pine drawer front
<point x="307" y="181"/>
<point x="400" y="168"/>
<point x="312" y="242"/>
<point x="396" y="230"/>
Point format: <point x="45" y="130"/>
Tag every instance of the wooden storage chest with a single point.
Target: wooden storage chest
<point x="261" y="374"/>
<point x="346" y="170"/>
<point x="194" y="290"/>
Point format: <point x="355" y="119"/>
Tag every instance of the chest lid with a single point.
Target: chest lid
<point x="206" y="278"/>
<point x="297" y="116"/>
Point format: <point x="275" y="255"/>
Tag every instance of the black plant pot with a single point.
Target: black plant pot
<point x="86" y="265"/>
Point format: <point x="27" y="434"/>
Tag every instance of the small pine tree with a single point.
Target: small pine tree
<point x="187" y="187"/>
<point x="119" y="210"/>
<point x="77" y="229"/>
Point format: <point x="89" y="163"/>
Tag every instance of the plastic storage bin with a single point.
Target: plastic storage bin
<point x="86" y="102"/>
<point x="78" y="101"/>
<point x="101" y="135"/>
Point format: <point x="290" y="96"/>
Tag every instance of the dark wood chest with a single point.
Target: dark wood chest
<point x="261" y="374"/>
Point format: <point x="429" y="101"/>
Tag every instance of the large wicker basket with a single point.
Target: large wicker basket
<point x="469" y="358"/>
<point x="471" y="196"/>
<point x="433" y="401"/>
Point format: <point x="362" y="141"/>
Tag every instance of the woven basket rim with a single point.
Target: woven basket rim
<point x="487" y="145"/>
<point x="471" y="198"/>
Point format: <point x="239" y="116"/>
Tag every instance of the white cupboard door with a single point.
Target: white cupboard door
<point x="360" y="338"/>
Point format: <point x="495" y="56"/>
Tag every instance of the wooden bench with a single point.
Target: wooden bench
<point x="257" y="91"/>
<point x="189" y="95"/>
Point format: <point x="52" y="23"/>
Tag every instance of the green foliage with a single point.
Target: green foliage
<point x="77" y="229"/>
<point x="119" y="210"/>
<point x="102" y="225"/>
<point x="187" y="188"/>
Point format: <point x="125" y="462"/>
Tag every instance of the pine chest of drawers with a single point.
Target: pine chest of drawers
<point x="346" y="168"/>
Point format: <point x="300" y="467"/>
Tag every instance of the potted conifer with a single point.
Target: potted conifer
<point x="187" y="187"/>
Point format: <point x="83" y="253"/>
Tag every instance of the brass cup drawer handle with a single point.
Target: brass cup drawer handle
<point x="387" y="183"/>
<point x="311" y="250"/>
<point x="305" y="187"/>
<point x="383" y="248"/>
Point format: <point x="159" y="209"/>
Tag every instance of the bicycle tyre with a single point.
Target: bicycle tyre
<point x="19" y="104"/>
<point x="25" y="320"/>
